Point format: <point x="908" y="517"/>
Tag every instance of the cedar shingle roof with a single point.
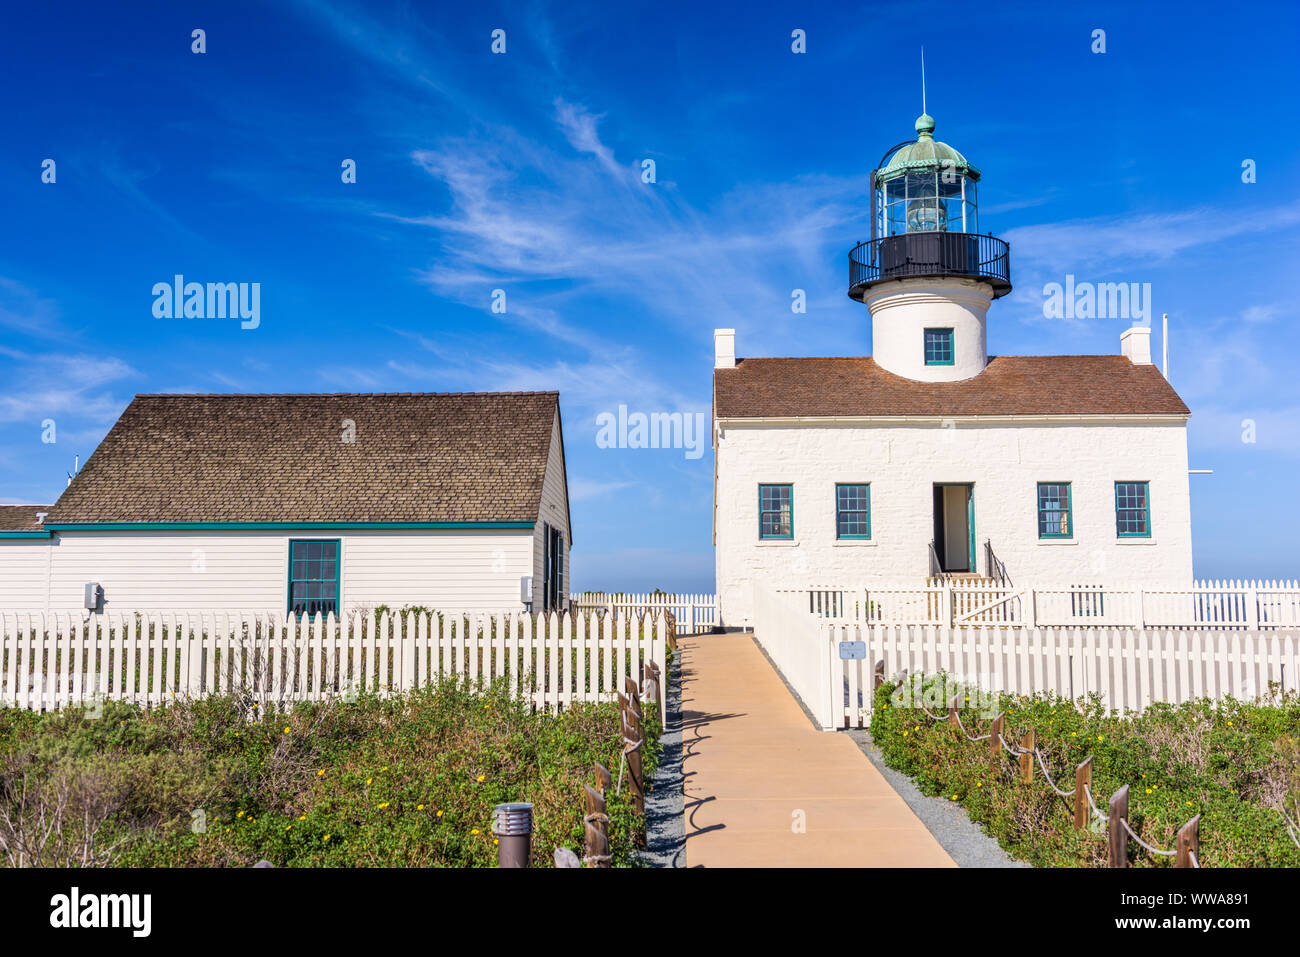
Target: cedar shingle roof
<point x="1009" y="385"/>
<point x="423" y="457"/>
<point x="20" y="518"/>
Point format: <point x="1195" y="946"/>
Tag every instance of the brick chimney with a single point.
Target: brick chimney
<point x="724" y="348"/>
<point x="1135" y="343"/>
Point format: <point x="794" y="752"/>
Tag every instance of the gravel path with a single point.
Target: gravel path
<point x="963" y="839"/>
<point x="664" y="810"/>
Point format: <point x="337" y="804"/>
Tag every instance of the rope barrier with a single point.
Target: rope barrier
<point x="1092" y="804"/>
<point x="596" y="818"/>
<point x="1153" y="850"/>
<point x="1050" y="783"/>
<point x="1016" y="751"/>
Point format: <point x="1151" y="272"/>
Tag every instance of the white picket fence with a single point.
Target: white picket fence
<point x="694" y="613"/>
<point x="52" y="661"/>
<point x="1128" y="667"/>
<point x="1249" y="605"/>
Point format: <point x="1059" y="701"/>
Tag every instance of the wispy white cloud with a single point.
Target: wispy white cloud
<point x="580" y="490"/>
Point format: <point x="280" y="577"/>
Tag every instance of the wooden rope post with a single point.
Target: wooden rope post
<point x="633" y="735"/>
<point x="650" y="680"/>
<point x="995" y="742"/>
<point x="953" y="720"/>
<point x="1189" y="843"/>
<point x="879" y="675"/>
<point x="603" y="779"/>
<point x="1117" y="838"/>
<point x="596" y="828"/>
<point x="1027" y="758"/>
<point x="1082" y="780"/>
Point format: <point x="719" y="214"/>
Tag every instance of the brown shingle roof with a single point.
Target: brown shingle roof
<point x="446" y="457"/>
<point x="20" y="518"/>
<point x="1009" y="385"/>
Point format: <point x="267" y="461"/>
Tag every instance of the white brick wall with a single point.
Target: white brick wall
<point x="904" y="460"/>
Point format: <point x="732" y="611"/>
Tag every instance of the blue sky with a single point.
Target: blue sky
<point x="522" y="171"/>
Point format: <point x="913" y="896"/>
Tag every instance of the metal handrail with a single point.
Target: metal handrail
<point x="967" y="255"/>
<point x="997" y="569"/>
<point x="936" y="567"/>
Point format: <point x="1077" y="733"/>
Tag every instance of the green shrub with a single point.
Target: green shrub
<point x="1234" y="763"/>
<point x="400" y="781"/>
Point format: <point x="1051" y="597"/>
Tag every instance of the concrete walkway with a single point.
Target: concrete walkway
<point x="755" y="768"/>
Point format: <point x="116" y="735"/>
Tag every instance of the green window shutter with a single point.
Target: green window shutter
<point x="1055" y="510"/>
<point x="314" y="576"/>
<point x="853" y="511"/>
<point x="1133" y="509"/>
<point x="776" y="511"/>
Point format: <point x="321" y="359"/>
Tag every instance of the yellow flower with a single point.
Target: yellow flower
<point x="1148" y="790"/>
<point x="440" y="814"/>
<point x="419" y="807"/>
<point x="495" y="841"/>
<point x="475" y="831"/>
<point x="954" y="797"/>
<point x="368" y="780"/>
<point x="327" y="837"/>
<point x="482" y="778"/>
<point x="302" y="817"/>
<point x="384" y="805"/>
<point x="286" y="729"/>
<point x="240" y="814"/>
<point x="289" y="827"/>
<point x="320" y="773"/>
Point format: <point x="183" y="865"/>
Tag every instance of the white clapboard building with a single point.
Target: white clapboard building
<point x="305" y="503"/>
<point x="931" y="459"/>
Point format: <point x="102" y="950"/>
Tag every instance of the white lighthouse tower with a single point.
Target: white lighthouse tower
<point x="927" y="275"/>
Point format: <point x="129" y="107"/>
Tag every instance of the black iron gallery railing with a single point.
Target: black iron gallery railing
<point x="966" y="255"/>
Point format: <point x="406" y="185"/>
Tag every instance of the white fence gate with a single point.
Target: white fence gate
<point x="1129" y="668"/>
<point x="1248" y="605"/>
<point x="60" y="660"/>
<point x="694" y="613"/>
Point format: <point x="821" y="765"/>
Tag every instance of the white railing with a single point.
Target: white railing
<point x="60" y="660"/>
<point x="794" y="642"/>
<point x="694" y="613"/>
<point x="1129" y="668"/>
<point x="1245" y="605"/>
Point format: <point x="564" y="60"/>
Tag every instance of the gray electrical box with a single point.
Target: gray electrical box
<point x="94" y="595"/>
<point x="526" y="589"/>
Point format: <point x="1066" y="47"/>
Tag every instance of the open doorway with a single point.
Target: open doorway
<point x="954" y="527"/>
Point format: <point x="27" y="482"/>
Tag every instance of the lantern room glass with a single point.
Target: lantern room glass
<point x="933" y="200"/>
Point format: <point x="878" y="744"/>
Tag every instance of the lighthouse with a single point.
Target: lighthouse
<point x="927" y="274"/>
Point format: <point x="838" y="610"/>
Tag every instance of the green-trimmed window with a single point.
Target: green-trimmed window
<point x="853" y="511"/>
<point x="1132" y="510"/>
<point x="938" y="347"/>
<point x="314" y="576"/>
<point x="1055" y="510"/>
<point x="776" y="511"/>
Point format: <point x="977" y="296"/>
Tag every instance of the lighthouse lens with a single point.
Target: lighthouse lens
<point x="925" y="216"/>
